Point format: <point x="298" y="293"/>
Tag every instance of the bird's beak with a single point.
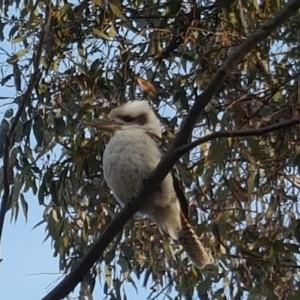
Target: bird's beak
<point x="106" y="125"/>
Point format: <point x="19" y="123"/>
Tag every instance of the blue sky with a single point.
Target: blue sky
<point x="27" y="261"/>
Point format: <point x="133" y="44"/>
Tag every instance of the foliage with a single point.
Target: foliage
<point x="243" y="192"/>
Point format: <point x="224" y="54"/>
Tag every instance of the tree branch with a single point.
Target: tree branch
<point x="116" y="225"/>
<point x="234" y="58"/>
<point x="24" y="100"/>
<point x="235" y="133"/>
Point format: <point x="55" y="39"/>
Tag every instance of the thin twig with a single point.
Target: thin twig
<point x="24" y="100"/>
<point x="234" y="58"/>
<point x="116" y="225"/>
<point x="236" y="133"/>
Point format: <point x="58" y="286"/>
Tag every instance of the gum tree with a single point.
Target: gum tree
<point x="227" y="70"/>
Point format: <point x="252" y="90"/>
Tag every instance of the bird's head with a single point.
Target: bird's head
<point x="132" y="114"/>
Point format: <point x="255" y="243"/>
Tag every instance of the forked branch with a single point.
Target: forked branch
<point x="116" y="225"/>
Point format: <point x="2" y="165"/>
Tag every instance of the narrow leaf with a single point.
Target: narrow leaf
<point x="98" y="32"/>
<point x="14" y="58"/>
<point x="9" y="113"/>
<point x="118" y="13"/>
<point x="24" y="205"/>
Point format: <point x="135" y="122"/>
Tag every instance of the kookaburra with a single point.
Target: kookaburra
<point x="131" y="155"/>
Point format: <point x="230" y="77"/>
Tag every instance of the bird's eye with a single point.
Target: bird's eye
<point x="127" y="119"/>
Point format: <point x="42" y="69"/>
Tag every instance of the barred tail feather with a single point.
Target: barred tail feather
<point x="193" y="247"/>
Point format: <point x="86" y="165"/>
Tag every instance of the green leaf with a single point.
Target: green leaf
<point x="108" y="276"/>
<point x="64" y="11"/>
<point x="17" y="77"/>
<point x="112" y="31"/>
<point x="30" y="183"/>
<point x="1" y="178"/>
<point x="81" y="51"/>
<point x="13" y="156"/>
<point x="14" y="211"/>
<point x="41" y="193"/>
<point x="18" y="39"/>
<point x="233" y="19"/>
<point x="54" y="192"/>
<point x="127" y="251"/>
<point x="38" y="131"/>
<point x="2" y="25"/>
<point x="18" y="183"/>
<point x="123" y="263"/>
<point x="95" y="65"/>
<point x="24" y="205"/>
<point x="59" y="125"/>
<point x="14" y="58"/>
<point x="173" y="7"/>
<point x="12" y="32"/>
<point x="55" y="215"/>
<point x="4" y="127"/>
<point x="38" y="224"/>
<point x="292" y="247"/>
<point x="147" y="275"/>
<point x="98" y="32"/>
<point x="19" y="131"/>
<point x="262" y="241"/>
<point x="4" y="80"/>
<point x="180" y="96"/>
<point x="9" y="113"/>
<point x="118" y="13"/>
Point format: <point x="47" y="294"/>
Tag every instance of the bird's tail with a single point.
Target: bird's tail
<point x="193" y="247"/>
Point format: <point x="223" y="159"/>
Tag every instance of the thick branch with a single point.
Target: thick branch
<point x="235" y="133"/>
<point x="24" y="100"/>
<point x="116" y="225"/>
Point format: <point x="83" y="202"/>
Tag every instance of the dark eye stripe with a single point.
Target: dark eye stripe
<point x="127" y="119"/>
<point x="141" y="119"/>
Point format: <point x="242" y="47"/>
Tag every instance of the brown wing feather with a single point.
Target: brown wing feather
<point x="180" y="195"/>
<point x="175" y="174"/>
